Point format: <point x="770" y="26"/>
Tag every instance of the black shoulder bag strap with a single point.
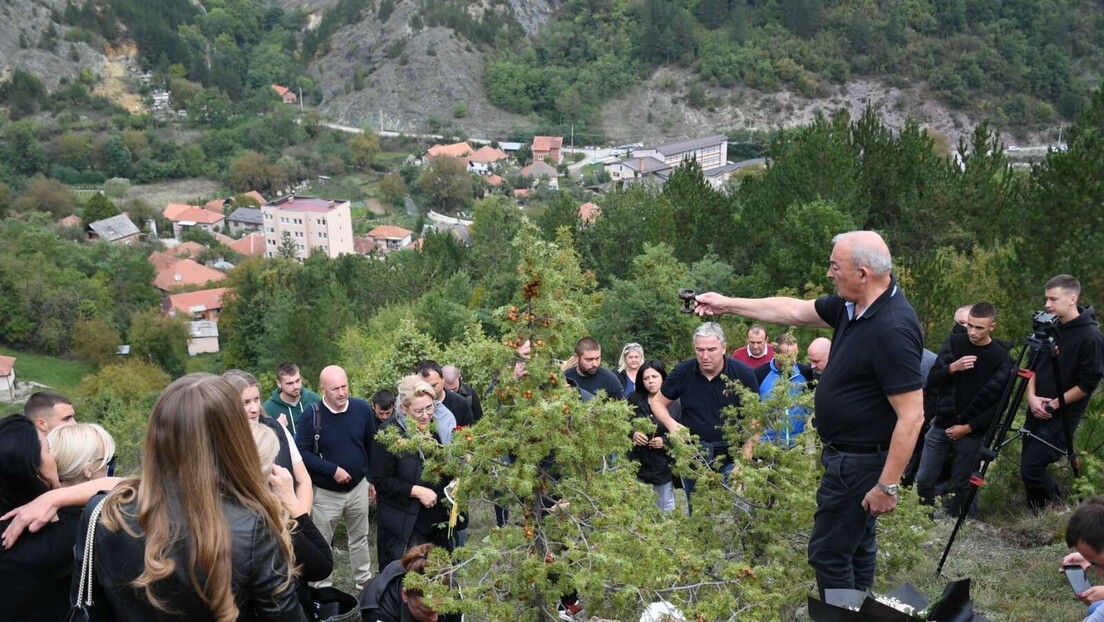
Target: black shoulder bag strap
<point x="317" y="427"/>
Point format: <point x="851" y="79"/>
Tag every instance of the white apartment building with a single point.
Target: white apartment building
<point x="310" y="223"/>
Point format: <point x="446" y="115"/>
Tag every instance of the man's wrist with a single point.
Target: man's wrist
<point x="889" y="489"/>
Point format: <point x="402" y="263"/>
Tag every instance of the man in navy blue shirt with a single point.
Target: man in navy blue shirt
<point x="338" y="465"/>
<point x="701" y="383"/>
<point x="869" y="405"/>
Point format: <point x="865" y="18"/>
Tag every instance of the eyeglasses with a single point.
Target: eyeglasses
<point x="423" y="412"/>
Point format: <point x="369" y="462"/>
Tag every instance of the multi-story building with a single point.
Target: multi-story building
<point x="309" y="223"/>
<point x="710" y="152"/>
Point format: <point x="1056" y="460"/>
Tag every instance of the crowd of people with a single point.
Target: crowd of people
<point x="234" y="512"/>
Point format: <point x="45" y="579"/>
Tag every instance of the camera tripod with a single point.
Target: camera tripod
<point x="1038" y="346"/>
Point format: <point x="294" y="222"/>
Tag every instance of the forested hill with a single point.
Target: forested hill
<point x="487" y="66"/>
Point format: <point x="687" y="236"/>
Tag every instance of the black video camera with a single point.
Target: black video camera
<point x="1045" y="325"/>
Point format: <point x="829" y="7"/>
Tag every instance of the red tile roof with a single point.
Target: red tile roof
<point x="7" y="364"/>
<point x="173" y="209"/>
<point x="191" y="250"/>
<point x="487" y="155"/>
<point x="455" y="150"/>
<point x="198" y="215"/>
<point x="223" y="239"/>
<point x="208" y="299"/>
<point x="280" y="90"/>
<point x="364" y="245"/>
<point x="547" y="143"/>
<point x="521" y="193"/>
<point x="252" y="245"/>
<point x="70" y="221"/>
<point x="215" y="205"/>
<point x="389" y="232"/>
<point x="174" y="272"/>
<point x="296" y="203"/>
<point x="256" y="195"/>
<point x="494" y="180"/>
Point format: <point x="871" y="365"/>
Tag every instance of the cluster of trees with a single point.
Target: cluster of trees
<point x="1025" y="63"/>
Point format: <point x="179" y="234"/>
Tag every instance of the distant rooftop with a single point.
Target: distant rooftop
<point x="305" y="204"/>
<point x="690" y="145"/>
<point x="114" y="228"/>
<point x="248" y="215"/>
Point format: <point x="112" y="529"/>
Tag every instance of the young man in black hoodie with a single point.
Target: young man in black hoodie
<point x="975" y="368"/>
<point x="1080" y="365"/>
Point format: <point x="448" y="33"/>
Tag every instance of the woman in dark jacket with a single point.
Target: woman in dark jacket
<point x="36" y="571"/>
<point x="200" y="536"/>
<point x="650" y="448"/>
<point x="411" y="511"/>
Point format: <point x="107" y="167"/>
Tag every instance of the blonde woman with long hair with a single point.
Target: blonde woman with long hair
<point x="199" y="536"/>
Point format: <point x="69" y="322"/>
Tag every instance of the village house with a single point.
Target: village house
<point x="286" y="95"/>
<point x="188" y="250"/>
<point x="204" y="304"/>
<point x="245" y="220"/>
<point x="118" y="229"/>
<point x="485" y="160"/>
<point x="202" y="337"/>
<point x="310" y="223"/>
<point x="184" y="217"/>
<point x="389" y="238"/>
<point x="454" y="150"/>
<point x="250" y="245"/>
<point x="7" y="375"/>
<point x="547" y="148"/>
<point x="174" y="273"/>
<point x="541" y="170"/>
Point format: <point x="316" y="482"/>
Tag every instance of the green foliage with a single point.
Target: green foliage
<point x="163" y="341"/>
<point x="120" y="398"/>
<point x="446" y="183"/>
<point x="22" y="93"/>
<point x="95" y="341"/>
<point x="98" y="207"/>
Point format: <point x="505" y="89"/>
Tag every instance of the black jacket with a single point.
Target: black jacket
<point x="955" y="406"/>
<point x="394" y="476"/>
<point x="118" y="559"/>
<point x="655" y="464"/>
<point x="381" y="599"/>
<point x="1080" y="361"/>
<point x="36" y="571"/>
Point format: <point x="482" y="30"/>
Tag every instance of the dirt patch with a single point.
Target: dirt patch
<point x="375" y="207"/>
<point x="117" y="73"/>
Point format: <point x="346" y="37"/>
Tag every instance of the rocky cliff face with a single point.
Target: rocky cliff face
<point x="411" y="77"/>
<point x="22" y="26"/>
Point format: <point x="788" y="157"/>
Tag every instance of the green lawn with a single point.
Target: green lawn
<point x="59" y="374"/>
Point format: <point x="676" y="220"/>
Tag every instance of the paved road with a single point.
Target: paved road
<point x="391" y="134"/>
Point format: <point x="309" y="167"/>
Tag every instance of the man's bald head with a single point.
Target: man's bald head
<point x="334" y="384"/>
<point x="451" y="375"/>
<point x="818" y="352"/>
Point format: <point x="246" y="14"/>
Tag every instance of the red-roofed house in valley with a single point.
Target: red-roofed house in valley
<point x="485" y="159"/>
<point x="191" y="216"/>
<point x="390" y="238"/>
<point x="310" y="223"/>
<point x="204" y="304"/>
<point x="216" y="205"/>
<point x="70" y="221"/>
<point x="252" y="245"/>
<point x="256" y="196"/>
<point x="188" y="250"/>
<point x="455" y="150"/>
<point x="547" y="148"/>
<point x="286" y="94"/>
<point x="175" y="272"/>
<point x="7" y="375"/>
<point x="494" y="180"/>
<point x="588" y="212"/>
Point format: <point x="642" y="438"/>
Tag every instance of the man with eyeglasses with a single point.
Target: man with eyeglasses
<point x="335" y="438"/>
<point x="1085" y="532"/>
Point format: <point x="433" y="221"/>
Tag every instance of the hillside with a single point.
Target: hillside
<point x="608" y="70"/>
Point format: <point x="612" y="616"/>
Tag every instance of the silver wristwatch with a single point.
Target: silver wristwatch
<point x="889" y="489"/>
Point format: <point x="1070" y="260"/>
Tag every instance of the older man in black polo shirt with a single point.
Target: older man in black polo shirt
<point x="701" y="385"/>
<point x="869" y="406"/>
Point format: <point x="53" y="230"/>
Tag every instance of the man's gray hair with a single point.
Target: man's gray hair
<point x="868" y="253"/>
<point x="710" y="329"/>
